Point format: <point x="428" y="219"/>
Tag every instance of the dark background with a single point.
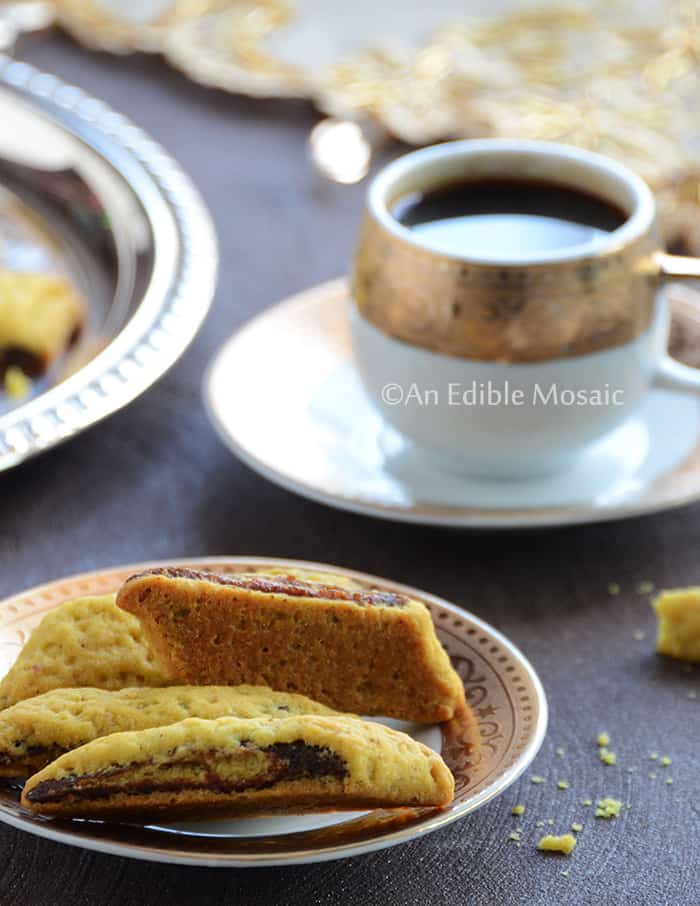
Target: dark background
<point x="153" y="481"/>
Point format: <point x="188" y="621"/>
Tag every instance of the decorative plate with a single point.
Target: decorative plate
<point x="486" y="752"/>
<point x="87" y="194"/>
<point x="342" y="453"/>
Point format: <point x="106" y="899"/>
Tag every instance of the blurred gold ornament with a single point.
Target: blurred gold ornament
<point x="590" y="75"/>
<point x="120" y="26"/>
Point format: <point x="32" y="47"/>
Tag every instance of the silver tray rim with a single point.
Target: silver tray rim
<point x="179" y="293"/>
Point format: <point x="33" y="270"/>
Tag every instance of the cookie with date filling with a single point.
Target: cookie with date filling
<point x="41" y="315"/>
<point x="37" y="730"/>
<point x="231" y="766"/>
<point x="369" y="650"/>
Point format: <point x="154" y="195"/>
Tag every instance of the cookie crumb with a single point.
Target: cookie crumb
<point x="514" y="836"/>
<point x="564" y="874"/>
<point x="17" y="384"/>
<point x="537" y="779"/>
<point x="563" y="844"/>
<point x="576" y="827"/>
<point x="586" y="802"/>
<point x="606" y="756"/>
<point x="678" y="615"/>
<point x="560" y="751"/>
<point x="645" y="587"/>
<point x="603" y="739"/>
<point x="518" y="810"/>
<point x="665" y="760"/>
<point x="669" y="780"/>
<point x="653" y="756"/>
<point x="563" y="784"/>
<point x="550" y="821"/>
<point x="639" y="635"/>
<point x="613" y="589"/>
<point x="608" y="808"/>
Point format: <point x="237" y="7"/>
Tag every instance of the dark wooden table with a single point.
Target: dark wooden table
<point x="154" y="481"/>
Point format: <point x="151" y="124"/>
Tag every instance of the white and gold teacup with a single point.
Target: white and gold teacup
<point x="512" y="367"/>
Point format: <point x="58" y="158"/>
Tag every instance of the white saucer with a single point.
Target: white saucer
<point x="284" y="395"/>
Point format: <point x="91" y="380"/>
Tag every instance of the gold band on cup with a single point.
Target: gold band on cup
<point x="506" y="312"/>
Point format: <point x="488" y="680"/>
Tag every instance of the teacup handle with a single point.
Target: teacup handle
<point x="669" y="373"/>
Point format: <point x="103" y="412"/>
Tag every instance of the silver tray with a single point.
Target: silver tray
<point x="87" y="194"/>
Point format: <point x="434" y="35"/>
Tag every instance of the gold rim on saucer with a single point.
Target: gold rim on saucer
<point x="509" y="721"/>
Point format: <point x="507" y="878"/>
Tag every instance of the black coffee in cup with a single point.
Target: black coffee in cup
<point x="504" y="218"/>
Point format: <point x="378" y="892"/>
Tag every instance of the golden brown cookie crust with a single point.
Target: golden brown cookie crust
<point x="38" y="730"/>
<point x="86" y="642"/>
<point x="368" y="651"/>
<point x="235" y="766"/>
